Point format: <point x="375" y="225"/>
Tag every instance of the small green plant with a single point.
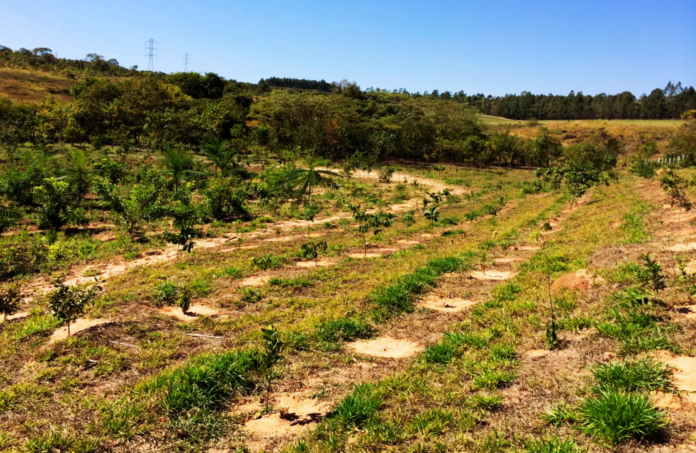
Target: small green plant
<point x="67" y="303"/>
<point x="358" y="408"/>
<point x="634" y="376"/>
<point x="408" y="220"/>
<point x="267" y="262"/>
<point x="546" y="227"/>
<point x="271" y="354"/>
<point x="441" y="353"/>
<point x="488" y="402"/>
<point x="251" y="295"/>
<point x="385" y="174"/>
<point x="555" y="445"/>
<point x="432" y="214"/>
<point x="344" y="330"/>
<point x="375" y="222"/>
<point x="311" y="250"/>
<point x="184" y="299"/>
<point x="614" y="416"/>
<point x="676" y="188"/>
<point x="650" y="274"/>
<point x="166" y="293"/>
<point x="560" y="414"/>
<point x="10" y="300"/>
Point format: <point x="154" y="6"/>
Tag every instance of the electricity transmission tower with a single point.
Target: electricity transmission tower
<point x="151" y="52"/>
<point x="186" y="62"/>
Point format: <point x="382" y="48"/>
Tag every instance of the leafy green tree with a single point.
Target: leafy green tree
<point x="114" y="171"/>
<point x="579" y="179"/>
<point x="142" y="204"/>
<point x="408" y="220"/>
<point x="375" y="222"/>
<point x="186" y="216"/>
<point x="10" y="300"/>
<point x="676" y="187"/>
<point x="54" y="197"/>
<point x="68" y="302"/>
<point x="311" y="250"/>
<point x="79" y="173"/>
<point x="226" y="199"/>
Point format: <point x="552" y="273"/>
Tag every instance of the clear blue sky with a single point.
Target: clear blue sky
<point x="488" y="46"/>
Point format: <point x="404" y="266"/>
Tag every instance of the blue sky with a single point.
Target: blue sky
<point x="492" y="46"/>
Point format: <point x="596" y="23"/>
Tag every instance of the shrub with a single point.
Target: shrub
<point x="267" y="262"/>
<point x="615" y="416"/>
<point x="10" y="300"/>
<point x="251" y="295"/>
<point x="69" y="303"/>
<point x="166" y="293"/>
<point x="385" y="174"/>
<point x="640" y="375"/>
<point x="344" y="330"/>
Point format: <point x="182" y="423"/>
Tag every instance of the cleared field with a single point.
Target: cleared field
<point x="434" y="337"/>
<point x="34" y="86"/>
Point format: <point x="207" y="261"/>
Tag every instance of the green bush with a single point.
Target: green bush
<point x="267" y="262"/>
<point x="615" y="416"/>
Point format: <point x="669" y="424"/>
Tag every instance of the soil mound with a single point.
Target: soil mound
<point x="78" y="326"/>
<point x="579" y="281"/>
<point x="446" y="305"/>
<point x="386" y="347"/>
<point x="491" y="275"/>
<point x="194" y="312"/>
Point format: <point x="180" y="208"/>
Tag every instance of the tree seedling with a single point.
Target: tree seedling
<point x="374" y="222"/>
<point x="433" y="214"/>
<point x="408" y="221"/>
<point x="68" y="303"/>
<point x="650" y="274"/>
<point x="311" y="250"/>
<point x="272" y="349"/>
<point x="10" y="300"/>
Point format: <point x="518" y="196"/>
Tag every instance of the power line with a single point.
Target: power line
<point x="151" y="52"/>
<point x="80" y="25"/>
<point x="37" y="18"/>
<point x="186" y="62"/>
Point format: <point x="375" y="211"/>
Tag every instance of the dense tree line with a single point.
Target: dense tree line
<point x="302" y="84"/>
<point x="670" y="102"/>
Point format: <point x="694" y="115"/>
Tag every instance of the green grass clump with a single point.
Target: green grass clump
<point x="554" y="445"/>
<point x="640" y="375"/>
<point x="290" y="282"/>
<point x="636" y="331"/>
<point x="400" y="297"/>
<point x="465" y="338"/>
<point x="614" y="416"/>
<point x="344" y="330"/>
<point x="441" y="353"/>
<point x="268" y="261"/>
<point x="358" y="408"/>
<point x="207" y="382"/>
<point x="560" y="414"/>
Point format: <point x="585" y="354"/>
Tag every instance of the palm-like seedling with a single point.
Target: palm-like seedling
<point x="220" y="154"/>
<point x="79" y="173"/>
<point x="306" y="179"/>
<point x="178" y="163"/>
<point x="432" y="214"/>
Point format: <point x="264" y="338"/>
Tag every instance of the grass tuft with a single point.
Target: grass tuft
<point x="641" y="375"/>
<point x="616" y="416"/>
